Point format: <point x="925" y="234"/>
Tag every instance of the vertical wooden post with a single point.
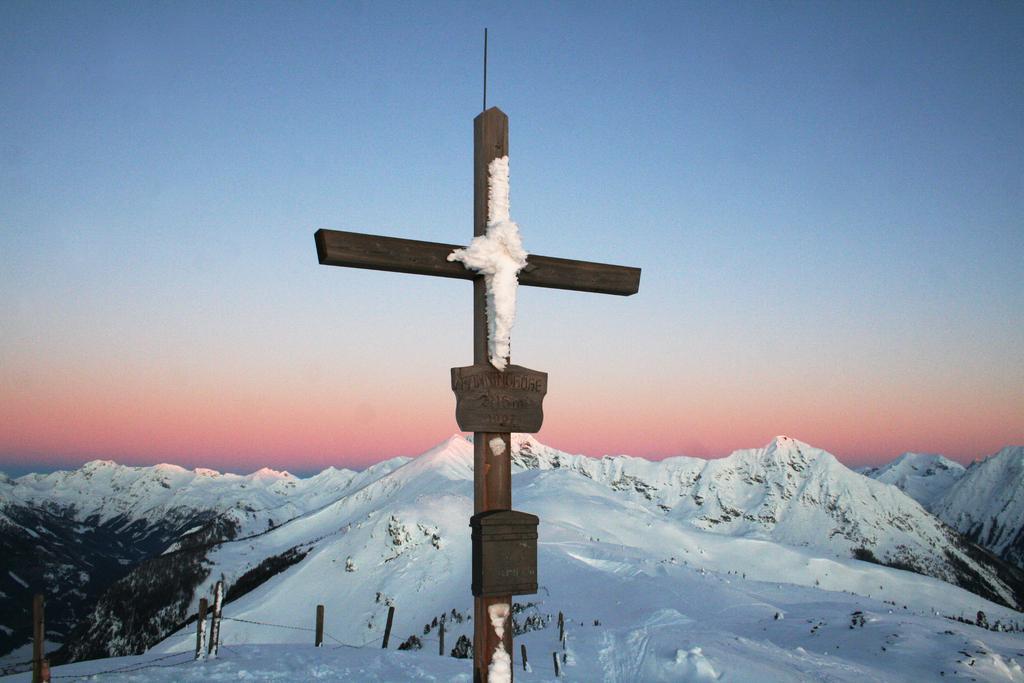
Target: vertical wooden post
<point x="492" y="470"/>
<point x="490" y="142"/>
<point x="38" y="638"/>
<point x="218" y="602"/>
<point x="522" y="649"/>
<point x="558" y="667"/>
<point x="440" y="647"/>
<point x="319" y="626"/>
<point x="201" y="629"/>
<point x="387" y="628"/>
<point x="561" y="630"/>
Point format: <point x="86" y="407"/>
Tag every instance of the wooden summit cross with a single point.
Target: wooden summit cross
<point x="491" y="404"/>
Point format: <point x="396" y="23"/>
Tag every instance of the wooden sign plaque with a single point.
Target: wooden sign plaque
<point x="487" y="400"/>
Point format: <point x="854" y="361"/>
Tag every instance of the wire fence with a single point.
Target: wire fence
<point x="189" y="655"/>
<point x="9" y="668"/>
<point x="340" y="643"/>
<point x="431" y="637"/>
<point x="184" y="657"/>
<point x="135" y="666"/>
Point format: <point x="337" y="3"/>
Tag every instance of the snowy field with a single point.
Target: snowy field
<point x="630" y="619"/>
<point x="674" y="624"/>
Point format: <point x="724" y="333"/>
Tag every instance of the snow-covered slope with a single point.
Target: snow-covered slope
<point x="72" y="534"/>
<point x="678" y="602"/>
<point x="922" y="476"/>
<point x="404" y="538"/>
<point x="319" y="544"/>
<point x="791" y="493"/>
<point x="987" y="504"/>
<point x="779" y="517"/>
<point x="663" y="637"/>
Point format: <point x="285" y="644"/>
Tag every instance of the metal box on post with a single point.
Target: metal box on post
<point x="504" y="553"/>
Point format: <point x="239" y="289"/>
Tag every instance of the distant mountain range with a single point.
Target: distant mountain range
<point x="984" y="502"/>
<point x="124" y="553"/>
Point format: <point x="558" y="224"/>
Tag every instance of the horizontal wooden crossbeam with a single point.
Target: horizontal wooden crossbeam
<point x="375" y="252"/>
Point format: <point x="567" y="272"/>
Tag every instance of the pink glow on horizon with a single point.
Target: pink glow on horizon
<point x="243" y="430"/>
<point x="239" y="415"/>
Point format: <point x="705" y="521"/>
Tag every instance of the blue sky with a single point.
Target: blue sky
<point x="827" y="201"/>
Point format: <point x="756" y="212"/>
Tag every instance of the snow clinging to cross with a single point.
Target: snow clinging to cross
<point x="498" y="255"/>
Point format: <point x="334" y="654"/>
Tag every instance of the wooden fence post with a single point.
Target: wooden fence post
<point x="440" y="647"/>
<point x="201" y="629"/>
<point x="38" y="638"/>
<point x="558" y="668"/>
<point x="522" y="648"/>
<point x="218" y="600"/>
<point x="561" y="629"/>
<point x="319" y="626"/>
<point x="387" y="629"/>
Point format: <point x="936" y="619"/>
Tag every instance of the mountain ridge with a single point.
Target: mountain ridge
<point x="987" y="504"/>
<point x="925" y="477"/>
<point x="984" y="502"/>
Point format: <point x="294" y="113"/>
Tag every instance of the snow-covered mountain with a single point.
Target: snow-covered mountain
<point x="793" y="493"/>
<point x="987" y="504"/>
<point x="788" y="514"/>
<point x="103" y="491"/>
<point x="71" y="534"/>
<point x="922" y="476"/>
